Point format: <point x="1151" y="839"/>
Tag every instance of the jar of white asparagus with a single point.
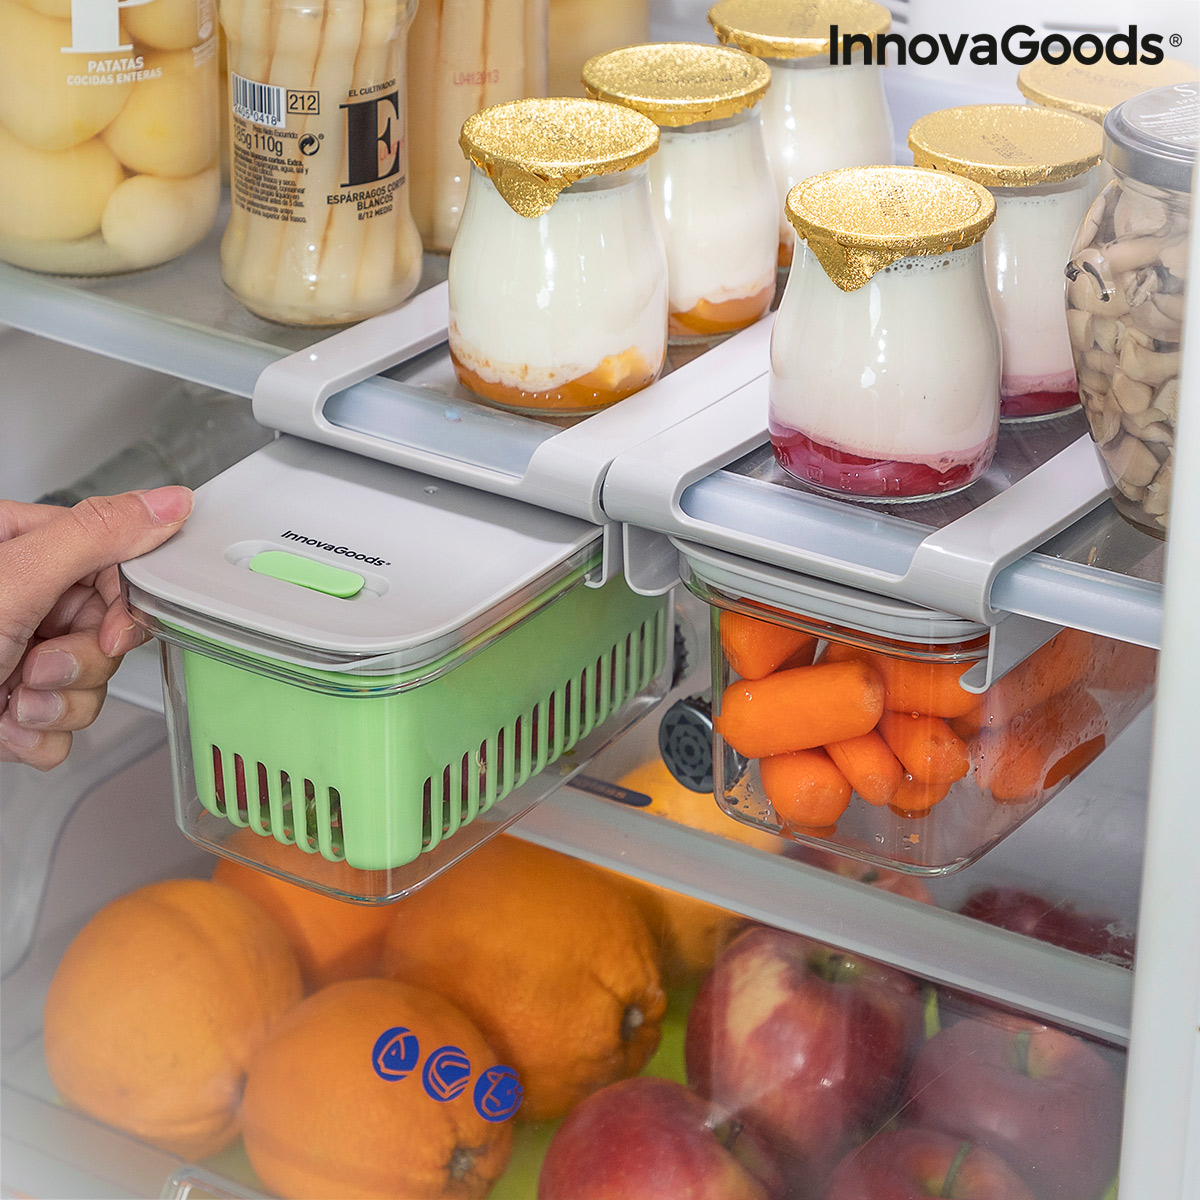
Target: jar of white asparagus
<point x="1127" y="292"/>
<point x="321" y="232"/>
<point x="464" y="55"/>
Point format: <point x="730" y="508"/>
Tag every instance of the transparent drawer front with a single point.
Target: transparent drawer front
<point x="873" y="749"/>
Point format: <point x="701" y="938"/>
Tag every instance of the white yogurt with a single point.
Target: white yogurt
<point x="714" y="200"/>
<point x="1026" y="249"/>
<point x="818" y="117"/>
<point x="904" y="368"/>
<point x="538" y="302"/>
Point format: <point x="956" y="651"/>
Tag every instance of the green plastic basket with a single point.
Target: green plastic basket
<point x="374" y="770"/>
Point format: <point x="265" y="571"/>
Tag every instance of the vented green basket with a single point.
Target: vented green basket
<point x="373" y="770"/>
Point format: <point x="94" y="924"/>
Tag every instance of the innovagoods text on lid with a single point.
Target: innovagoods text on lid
<point x="362" y="661"/>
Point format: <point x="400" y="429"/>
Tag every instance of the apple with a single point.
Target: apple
<point x="807" y="1044"/>
<point x="652" y="1139"/>
<point x="899" y="883"/>
<point x="1062" y="925"/>
<point x="1042" y="1099"/>
<point x="907" y="1163"/>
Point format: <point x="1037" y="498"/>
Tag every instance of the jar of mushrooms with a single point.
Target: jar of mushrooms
<point x="1127" y="279"/>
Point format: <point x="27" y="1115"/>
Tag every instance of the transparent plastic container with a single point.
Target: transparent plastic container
<point x="1040" y="166"/>
<point x="321" y="232"/>
<point x="817" y="115"/>
<point x="558" y="291"/>
<point x="852" y="730"/>
<point x="464" y="57"/>
<point x="96" y="180"/>
<point x="885" y="357"/>
<point x="1126" y="294"/>
<point x="361" y="709"/>
<point x="710" y="182"/>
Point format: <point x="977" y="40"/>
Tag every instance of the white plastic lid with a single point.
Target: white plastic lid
<point x="441" y="564"/>
<point x="729" y="575"/>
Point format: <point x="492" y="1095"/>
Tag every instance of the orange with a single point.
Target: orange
<point x="337" y="1101"/>
<point x="690" y="932"/>
<point x="157" y="1006"/>
<point x="333" y="939"/>
<point x="550" y="958"/>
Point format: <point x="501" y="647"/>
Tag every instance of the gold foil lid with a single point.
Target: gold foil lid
<point x="678" y="83"/>
<point x="532" y="149"/>
<point x="1091" y="90"/>
<point x="1006" y="145"/>
<point x="793" y="28"/>
<point x="859" y="220"/>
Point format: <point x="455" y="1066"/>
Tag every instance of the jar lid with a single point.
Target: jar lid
<point x="1006" y="145"/>
<point x="858" y="220"/>
<point x="1153" y="136"/>
<point x="532" y="149"/>
<point x="794" y="28"/>
<point x="678" y="83"/>
<point x="1092" y="89"/>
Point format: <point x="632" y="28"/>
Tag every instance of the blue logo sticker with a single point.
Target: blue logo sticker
<point x="498" y="1093"/>
<point x="446" y="1073"/>
<point x="395" y="1054"/>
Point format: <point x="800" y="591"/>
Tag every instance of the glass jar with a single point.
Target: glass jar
<point x="320" y="232"/>
<point x="1092" y="89"/>
<point x="1126" y="296"/>
<point x="816" y="116"/>
<point x="558" y="277"/>
<point x="1039" y="165"/>
<point x="94" y="179"/>
<point x="848" y="721"/>
<point x="464" y="55"/>
<point x="885" y="358"/>
<point x="710" y="182"/>
<point x="581" y="29"/>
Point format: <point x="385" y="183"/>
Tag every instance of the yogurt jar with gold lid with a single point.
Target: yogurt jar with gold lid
<point x="817" y="115"/>
<point x="557" y="275"/>
<point x="710" y="183"/>
<point x="1092" y="89"/>
<point x="1040" y="166"/>
<point x="885" y="358"/>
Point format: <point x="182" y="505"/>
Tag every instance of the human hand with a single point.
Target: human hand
<point x="63" y="626"/>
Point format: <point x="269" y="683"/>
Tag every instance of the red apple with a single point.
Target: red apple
<point x="1062" y="925"/>
<point x="900" y="883"/>
<point x="1042" y="1099"/>
<point x="910" y="1163"/>
<point x="805" y="1043"/>
<point x="652" y="1139"/>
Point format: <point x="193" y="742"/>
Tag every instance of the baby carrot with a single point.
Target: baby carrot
<point x="1121" y="666"/>
<point x="914" y="798"/>
<point x="866" y="761"/>
<point x="755" y="648"/>
<point x="929" y="749"/>
<point x="805" y="788"/>
<point x="931" y="688"/>
<point x="1041" y="747"/>
<point x="800" y="708"/>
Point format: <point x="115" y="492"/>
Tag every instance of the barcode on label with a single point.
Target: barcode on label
<point x="258" y="102"/>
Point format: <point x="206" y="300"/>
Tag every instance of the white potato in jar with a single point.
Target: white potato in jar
<point x="149" y="219"/>
<point x="169" y="123"/>
<point x="36" y="101"/>
<point x="168" y="24"/>
<point x="48" y="195"/>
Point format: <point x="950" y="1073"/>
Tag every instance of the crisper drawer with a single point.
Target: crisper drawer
<point x="584" y="1010"/>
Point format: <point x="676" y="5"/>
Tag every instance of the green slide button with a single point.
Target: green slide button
<point x="307" y="572"/>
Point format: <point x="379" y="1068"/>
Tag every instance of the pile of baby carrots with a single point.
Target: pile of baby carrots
<point x="901" y="732"/>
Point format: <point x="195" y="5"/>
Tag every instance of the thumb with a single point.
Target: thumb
<point x="40" y="565"/>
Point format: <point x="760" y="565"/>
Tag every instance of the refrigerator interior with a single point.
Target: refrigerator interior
<point x="103" y="824"/>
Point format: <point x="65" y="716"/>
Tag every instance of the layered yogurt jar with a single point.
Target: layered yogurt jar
<point x="557" y="275"/>
<point x="817" y="115"/>
<point x="711" y="186"/>
<point x="1040" y="166"/>
<point x="885" y="358"/>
